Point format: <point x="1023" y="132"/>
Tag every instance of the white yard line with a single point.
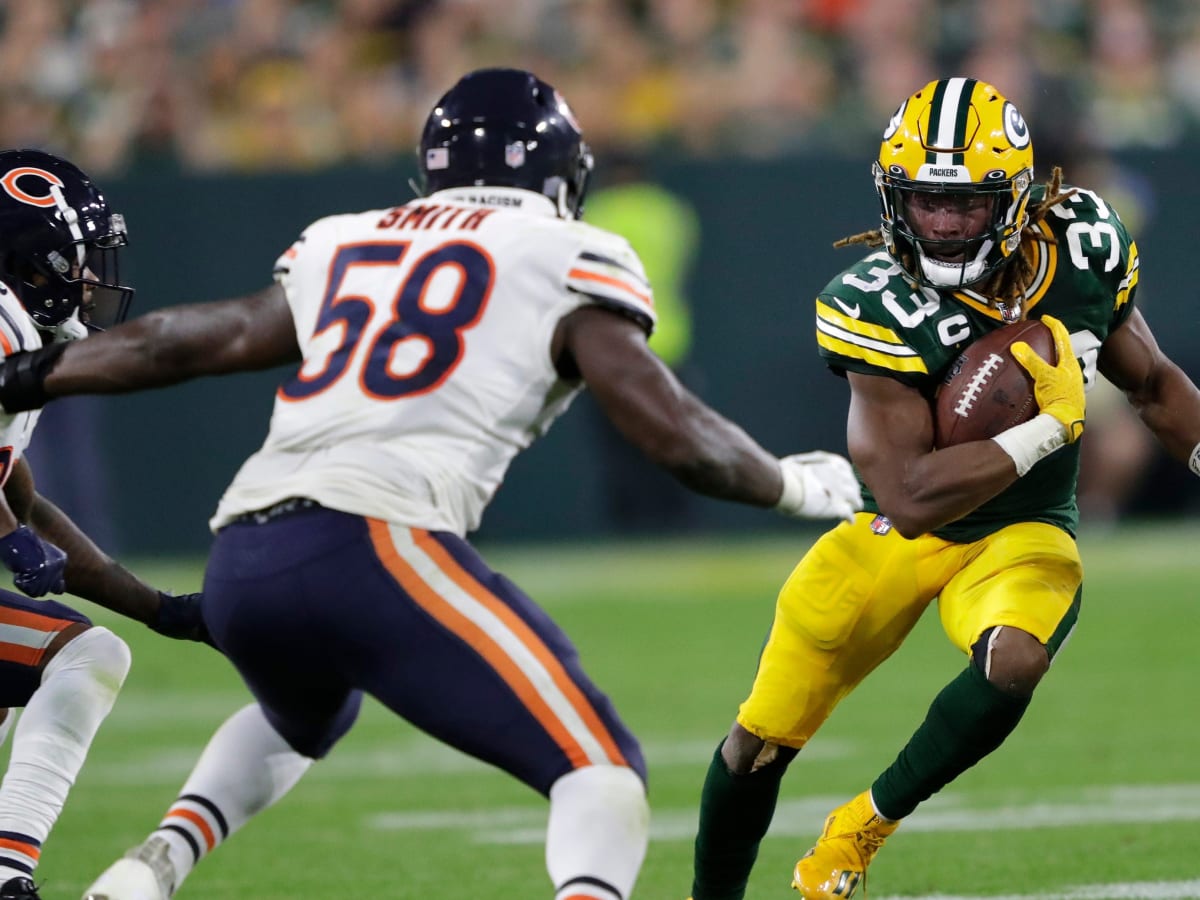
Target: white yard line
<point x="1102" y="805"/>
<point x="1131" y="890"/>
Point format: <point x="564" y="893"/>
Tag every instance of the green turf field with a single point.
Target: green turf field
<point x="1096" y="796"/>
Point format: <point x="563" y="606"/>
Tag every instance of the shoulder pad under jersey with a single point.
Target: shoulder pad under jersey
<point x="1091" y="236"/>
<point x="608" y="270"/>
<point x="14" y="338"/>
<point x="325" y="232"/>
<point x="857" y="317"/>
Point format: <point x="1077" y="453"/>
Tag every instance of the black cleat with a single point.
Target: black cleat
<point x="19" y="888"/>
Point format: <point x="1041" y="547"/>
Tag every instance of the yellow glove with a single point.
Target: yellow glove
<point x="1058" y="389"/>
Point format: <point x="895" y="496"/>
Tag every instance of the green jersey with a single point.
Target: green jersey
<point x="873" y="320"/>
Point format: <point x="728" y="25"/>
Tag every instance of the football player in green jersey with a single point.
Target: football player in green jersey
<point x="986" y="528"/>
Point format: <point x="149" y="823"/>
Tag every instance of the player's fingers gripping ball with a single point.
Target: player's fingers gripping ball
<point x="1058" y="387"/>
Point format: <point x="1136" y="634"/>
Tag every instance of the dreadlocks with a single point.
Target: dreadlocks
<point x="1010" y="284"/>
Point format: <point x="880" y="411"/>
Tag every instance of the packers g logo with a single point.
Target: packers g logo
<point x="1015" y="128"/>
<point x="14" y="190"/>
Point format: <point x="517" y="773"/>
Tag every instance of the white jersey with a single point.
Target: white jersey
<point x="17" y="332"/>
<point x="426" y="334"/>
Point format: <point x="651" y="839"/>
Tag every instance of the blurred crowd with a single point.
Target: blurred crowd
<point x="252" y="85"/>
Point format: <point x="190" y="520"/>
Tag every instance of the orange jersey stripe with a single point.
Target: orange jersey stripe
<point x="475" y="637"/>
<point x="528" y="637"/>
<point x="32" y="620"/>
<point x="5" y="344"/>
<point x="612" y="282"/>
<point x="197" y="820"/>
<point x="21" y="847"/>
<point x="20" y="654"/>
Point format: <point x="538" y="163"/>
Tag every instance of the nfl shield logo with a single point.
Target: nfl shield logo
<point x="881" y="525"/>
<point x="514" y="155"/>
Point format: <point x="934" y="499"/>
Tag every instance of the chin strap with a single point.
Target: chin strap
<point x="69" y="330"/>
<point x="953" y="276"/>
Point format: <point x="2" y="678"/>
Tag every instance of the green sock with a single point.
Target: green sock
<point x="735" y="811"/>
<point x="969" y="719"/>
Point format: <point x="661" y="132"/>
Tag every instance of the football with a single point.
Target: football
<point x="985" y="390"/>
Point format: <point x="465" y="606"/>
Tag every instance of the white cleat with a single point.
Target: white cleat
<point x="144" y="873"/>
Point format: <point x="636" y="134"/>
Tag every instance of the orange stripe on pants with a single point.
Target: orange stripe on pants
<point x="465" y="580"/>
<point x="479" y="640"/>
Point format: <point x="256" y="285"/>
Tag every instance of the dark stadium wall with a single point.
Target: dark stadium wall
<point x="765" y="252"/>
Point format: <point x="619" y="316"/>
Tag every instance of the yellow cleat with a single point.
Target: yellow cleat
<point x="837" y="864"/>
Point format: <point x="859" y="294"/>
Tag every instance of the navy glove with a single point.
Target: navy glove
<point x="38" y="566"/>
<point x="179" y="617"/>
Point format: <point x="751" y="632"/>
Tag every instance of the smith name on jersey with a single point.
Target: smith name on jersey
<point x="871" y="320"/>
<point x="426" y="333"/>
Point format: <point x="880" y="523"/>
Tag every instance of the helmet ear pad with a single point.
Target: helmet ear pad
<point x="505" y="128"/>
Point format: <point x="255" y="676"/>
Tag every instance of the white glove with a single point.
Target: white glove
<point x="818" y="485"/>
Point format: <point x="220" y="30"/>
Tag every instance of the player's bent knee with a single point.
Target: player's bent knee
<point x="740" y="750"/>
<point x="745" y="753"/>
<point x="1014" y="661"/>
<point x="104" y="655"/>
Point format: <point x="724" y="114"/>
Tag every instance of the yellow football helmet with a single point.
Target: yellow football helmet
<point x="955" y="135"/>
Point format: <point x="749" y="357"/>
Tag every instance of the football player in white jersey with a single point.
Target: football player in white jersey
<point x="59" y="241"/>
<point x="434" y="341"/>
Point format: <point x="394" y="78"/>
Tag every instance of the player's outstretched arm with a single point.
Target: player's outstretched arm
<point x="91" y="574"/>
<point x="1161" y="393"/>
<point x="675" y="429"/>
<point x="163" y="347"/>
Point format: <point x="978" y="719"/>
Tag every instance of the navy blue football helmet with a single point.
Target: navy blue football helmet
<point x="505" y="128"/>
<point x="59" y="242"/>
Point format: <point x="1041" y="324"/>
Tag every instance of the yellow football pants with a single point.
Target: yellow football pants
<point x="856" y="594"/>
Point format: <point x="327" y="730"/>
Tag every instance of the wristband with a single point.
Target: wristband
<point x="792" y="498"/>
<point x="23" y="378"/>
<point x="1194" y="460"/>
<point x="1031" y="442"/>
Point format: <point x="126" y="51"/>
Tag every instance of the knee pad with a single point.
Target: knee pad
<point x="104" y="655"/>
